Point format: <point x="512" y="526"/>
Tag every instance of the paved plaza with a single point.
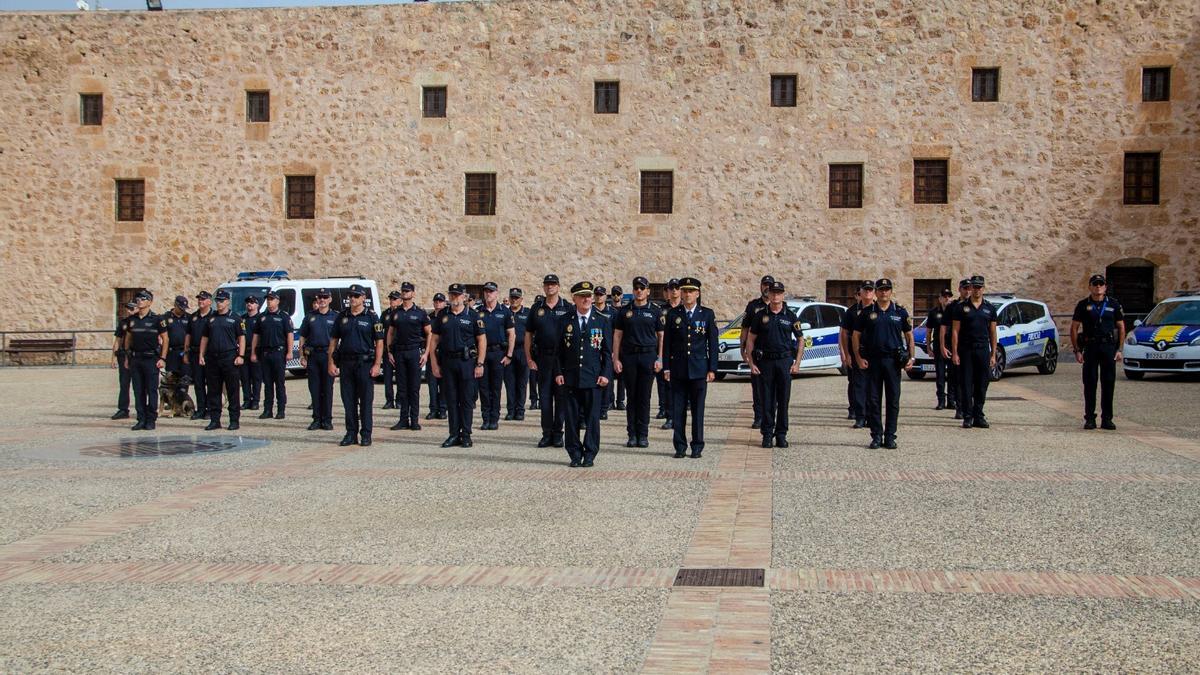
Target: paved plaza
<point x="1032" y="546"/>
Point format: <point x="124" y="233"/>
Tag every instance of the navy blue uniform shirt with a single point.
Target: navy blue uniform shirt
<point x="223" y="331"/>
<point x="196" y="324"/>
<point x="145" y="331"/>
<point x="974" y="323"/>
<point x="776" y="331"/>
<point x="640" y="326"/>
<point x="520" y="322"/>
<point x="883" y="330"/>
<point x="1098" y="319"/>
<point x="936" y="319"/>
<point x="752" y="308"/>
<point x="317" y="328"/>
<point x="273" y="329"/>
<point x="357" y="333"/>
<point x="496" y="324"/>
<point x="457" y="332"/>
<point x="544" y="325"/>
<point x="408" y="328"/>
<point x="177" y="330"/>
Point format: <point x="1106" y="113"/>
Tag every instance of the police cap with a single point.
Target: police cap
<point x="884" y="284"/>
<point x="947" y="293"/>
<point x="617" y="290"/>
<point x="357" y="289"/>
<point x="439" y="297"/>
<point x="394" y="295"/>
<point x="965" y="283"/>
<point x="689" y="284"/>
<point x="204" y="295"/>
<point x="221" y="295"/>
<point x="131" y="305"/>
<point x="600" y="290"/>
<point x="272" y="295"/>
<point x="251" y="300"/>
<point x="515" y="293"/>
<point x="977" y="281"/>
<point x="550" y="279"/>
<point x="766" y="280"/>
<point x="673" y="283"/>
<point x="324" y="293"/>
<point x="776" y="287"/>
<point x="407" y="286"/>
<point x="491" y="286"/>
<point x="181" y="302"/>
<point x="641" y="282"/>
<point x="867" y="285"/>
<point x="144" y="295"/>
<point x="457" y="289"/>
<point x="1097" y="280"/>
<point x="582" y="288"/>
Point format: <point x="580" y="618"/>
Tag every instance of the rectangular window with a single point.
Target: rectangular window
<point x="841" y="291"/>
<point x="258" y="106"/>
<point x="481" y="194"/>
<point x="845" y="186"/>
<point x="925" y="294"/>
<point x="658" y="188"/>
<point x="929" y="181"/>
<point x="1156" y="84"/>
<point x="301" y="197"/>
<point x="91" y="109"/>
<point x="985" y="84"/>
<point x="1141" y="178"/>
<point x="608" y="98"/>
<point x="433" y="101"/>
<point x="131" y="199"/>
<point x="783" y="91"/>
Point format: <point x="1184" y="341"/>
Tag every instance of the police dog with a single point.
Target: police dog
<point x="173" y="397"/>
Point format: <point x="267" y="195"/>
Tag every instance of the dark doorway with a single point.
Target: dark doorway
<point x="1132" y="282"/>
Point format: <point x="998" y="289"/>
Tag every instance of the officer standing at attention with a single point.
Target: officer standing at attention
<point x="534" y="399"/>
<point x="774" y="360"/>
<point x="637" y="344"/>
<point x="124" y="378"/>
<point x="389" y="378"/>
<point x="883" y="345"/>
<point x="689" y="358"/>
<point x="191" y="356"/>
<point x="601" y="305"/>
<point x="1097" y="333"/>
<point x="543" y="336"/>
<point x="458" y="346"/>
<point x="251" y="370"/>
<point x="752" y="309"/>
<point x="407" y="337"/>
<point x="437" y="398"/>
<point x="582" y="367"/>
<point x="145" y="353"/>
<point x="933" y="344"/>
<point x="856" y="388"/>
<point x="974" y="352"/>
<point x="316" y="331"/>
<point x="270" y="349"/>
<point x="670" y="301"/>
<point x="617" y="301"/>
<point x="356" y="353"/>
<point x="177" y="331"/>
<point x="501" y="330"/>
<point x="516" y="373"/>
<point x="946" y="331"/>
<point x="222" y="351"/>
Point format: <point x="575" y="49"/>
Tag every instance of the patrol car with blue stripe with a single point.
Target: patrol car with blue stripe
<point x="820" y="321"/>
<point x="1025" y="332"/>
<point x="1167" y="340"/>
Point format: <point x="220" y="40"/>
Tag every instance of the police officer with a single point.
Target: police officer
<point x="274" y="335"/>
<point x="752" y="309"/>
<point x="458" y="347"/>
<point x="933" y="344"/>
<point x="582" y="366"/>
<point x="637" y="344"/>
<point x="535" y="402"/>
<point x="616" y="299"/>
<point x="356" y="353"/>
<point x="389" y="378"/>
<point x="689" y="358"/>
<point x="516" y="374"/>
<point x="251" y="372"/>
<point x="316" y="332"/>
<point x="1097" y="333"/>
<point x="773" y="332"/>
<point x="437" y="398"/>
<point x="856" y="388"/>
<point x="946" y="335"/>
<point x="501" y="330"/>
<point x="222" y="351"/>
<point x="177" y="331"/>
<point x="543" y="335"/>
<point x="145" y="353"/>
<point x="883" y="344"/>
<point x="974" y="352"/>
<point x="407" y="336"/>
<point x="197" y="321"/>
<point x="601" y="305"/>
<point x="124" y="377"/>
<point x="670" y="300"/>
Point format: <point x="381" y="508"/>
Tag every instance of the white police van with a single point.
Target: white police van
<point x="296" y="297"/>
<point x="820" y="320"/>
<point x="1025" y="332"/>
<point x="1167" y="340"/>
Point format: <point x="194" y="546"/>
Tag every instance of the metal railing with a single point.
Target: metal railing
<point x="93" y="341"/>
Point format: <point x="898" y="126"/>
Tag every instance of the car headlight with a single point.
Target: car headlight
<point x="1131" y="340"/>
<point x="1195" y="342"/>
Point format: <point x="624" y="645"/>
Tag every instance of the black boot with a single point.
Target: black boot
<point x="266" y="414"/>
<point x="279" y="413"/>
<point x="213" y="425"/>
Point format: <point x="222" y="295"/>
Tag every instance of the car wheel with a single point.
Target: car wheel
<point x="1133" y="374"/>
<point x="916" y="374"/>
<point x="998" y="371"/>
<point x="1050" y="359"/>
<point x="719" y="376"/>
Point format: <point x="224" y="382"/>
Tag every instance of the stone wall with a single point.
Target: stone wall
<point x="1035" y="197"/>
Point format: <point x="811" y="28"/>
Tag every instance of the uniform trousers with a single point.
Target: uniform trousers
<point x="144" y="371"/>
<point x="273" y="368"/>
<point x="941" y="367"/>
<point x="1099" y="367"/>
<point x="437" y="397"/>
<point x="756" y="397"/>
<point x="199" y="375"/>
<point x="407" y="374"/>
<point x="883" y="380"/>
<point x="221" y="372"/>
<point x="637" y="371"/>
<point x="973" y="364"/>
<point x="856" y="391"/>
<point x="251" y="375"/>
<point x="459" y="386"/>
<point x="664" y="394"/>
<point x="124" y="380"/>
<point x="490" y="385"/>
<point x="688" y="393"/>
<point x="358" y="393"/>
<point x="516" y="382"/>
<point x="581" y="410"/>
<point x="550" y="404"/>
<point x="775" y="382"/>
<point x="389" y="383"/>
<point x="320" y="384"/>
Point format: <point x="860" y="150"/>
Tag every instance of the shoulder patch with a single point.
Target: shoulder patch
<point x="480" y="323"/>
<point x="662" y="319"/>
<point x="796" y="325"/>
<point x="378" y="326"/>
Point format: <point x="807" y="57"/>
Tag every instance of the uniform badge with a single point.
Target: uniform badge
<point x="939" y="315"/>
<point x="873" y="316"/>
<point x="445" y="319"/>
<point x="1091" y="308"/>
<point x="541" y="312"/>
<point x="629" y="314"/>
<point x="766" y="319"/>
<point x="678" y="321"/>
<point x="570" y="328"/>
<point x="966" y="310"/>
<point x="346" y="319"/>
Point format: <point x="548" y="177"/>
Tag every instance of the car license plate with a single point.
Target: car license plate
<point x="1158" y="355"/>
<point x="928" y="368"/>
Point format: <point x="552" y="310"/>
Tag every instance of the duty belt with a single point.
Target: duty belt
<point x="355" y="357"/>
<point x="458" y="353"/>
<point x="637" y="350"/>
<point x="776" y="355"/>
<point x="143" y="354"/>
<point x="406" y="349"/>
<point x="272" y="349"/>
<point x="496" y="348"/>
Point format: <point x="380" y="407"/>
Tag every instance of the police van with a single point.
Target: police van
<point x="1025" y="333"/>
<point x="1167" y="340"/>
<point x="820" y="321"/>
<point x="296" y="297"/>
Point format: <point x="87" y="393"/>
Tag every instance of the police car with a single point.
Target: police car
<point x="1025" y="332"/>
<point x="1168" y="340"/>
<point x="820" y="322"/>
<point x="296" y="297"/>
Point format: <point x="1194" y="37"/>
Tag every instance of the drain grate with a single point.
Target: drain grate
<point x="1006" y="398"/>
<point x="743" y="576"/>
<point x="171" y="446"/>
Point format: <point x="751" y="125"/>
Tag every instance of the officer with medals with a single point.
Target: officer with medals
<point x="933" y="344"/>
<point x="500" y="328"/>
<point x="946" y="334"/>
<point x="250" y="371"/>
<point x="974" y="352"/>
<point x="407" y="339"/>
<point x="177" y="332"/>
<point x="316" y="332"/>
<point x="516" y="373"/>
<point x="191" y="356"/>
<point x="124" y="377"/>
<point x="601" y="305"/>
<point x="616" y="300"/>
<point x="883" y="344"/>
<point x="1097" y="333"/>
<point x="274" y="336"/>
<point x="222" y="352"/>
<point x="637" y="344"/>
<point x="145" y="354"/>
<point x="389" y="377"/>
<point x="689" y="358"/>
<point x="458" y="345"/>
<point x="543" y="336"/>
<point x="856" y="387"/>
<point x="752" y="309"/>
<point x="582" y="367"/>
<point x="775" y="347"/>
<point x="437" y="398"/>
<point x="356" y="353"/>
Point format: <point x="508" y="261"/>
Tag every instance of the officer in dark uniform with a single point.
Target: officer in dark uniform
<point x="637" y="344"/>
<point x="539" y="300"/>
<point x="356" y="353"/>
<point x="616" y="300"/>
<point x="933" y="344"/>
<point x="407" y="338"/>
<point x="251" y="371"/>
<point x="516" y="374"/>
<point x="389" y="377"/>
<point x="670" y="300"/>
<point x="974" y="345"/>
<point x="856" y="388"/>
<point x="437" y="398"/>
<point x="501" y="330"/>
<point x="883" y="344"/>
<point x="774" y="359"/>
<point x="191" y="357"/>
<point x="222" y="351"/>
<point x="316" y="332"/>
<point x="274" y="335"/>
<point x="689" y="357"/>
<point x="458" y="346"/>
<point x="582" y="366"/>
<point x="543" y="337"/>
<point x="752" y="309"/>
<point x="177" y="332"/>
<point x="145" y="354"/>
<point x="1097" y="333"/>
<point x="124" y="377"/>
<point x="946" y="331"/>
<point x="601" y="305"/>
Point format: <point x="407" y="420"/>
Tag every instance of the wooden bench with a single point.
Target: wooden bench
<point x="18" y="348"/>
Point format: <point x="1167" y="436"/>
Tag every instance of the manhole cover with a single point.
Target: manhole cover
<point x="171" y="446"/>
<point x="720" y="577"/>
